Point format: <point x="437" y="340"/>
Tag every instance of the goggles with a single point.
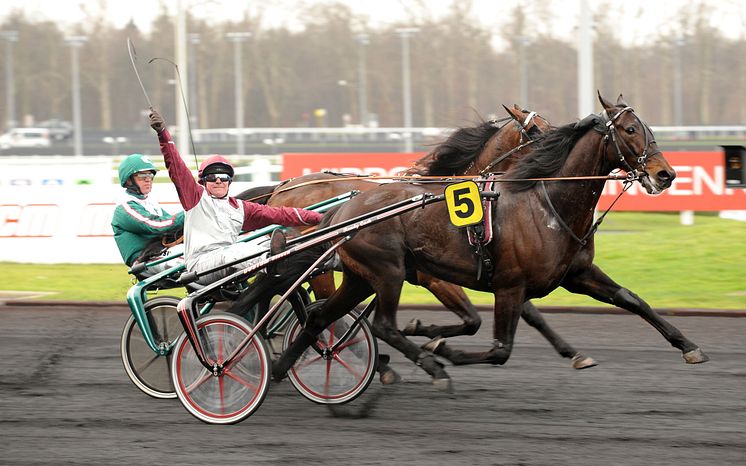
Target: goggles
<point x="145" y="175"/>
<point x="213" y="177"/>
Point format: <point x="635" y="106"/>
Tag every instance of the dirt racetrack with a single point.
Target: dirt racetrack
<point x="65" y="399"/>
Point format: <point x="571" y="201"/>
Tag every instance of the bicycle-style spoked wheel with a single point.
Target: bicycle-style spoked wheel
<point x="282" y="319"/>
<point x="330" y="374"/>
<point x="239" y="389"/>
<point x="148" y="370"/>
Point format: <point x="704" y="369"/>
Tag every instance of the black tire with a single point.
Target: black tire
<point x="341" y="376"/>
<point x="148" y="370"/>
<point x="238" y="391"/>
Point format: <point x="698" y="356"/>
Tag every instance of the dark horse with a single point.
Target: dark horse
<point x="540" y="230"/>
<point x="469" y="151"/>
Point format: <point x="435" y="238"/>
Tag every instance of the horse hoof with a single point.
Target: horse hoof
<point x="434" y="344"/>
<point x="389" y="377"/>
<point x="696" y="356"/>
<point x="278" y="375"/>
<point x="580" y="361"/>
<point x="411" y="327"/>
<point x="443" y="385"/>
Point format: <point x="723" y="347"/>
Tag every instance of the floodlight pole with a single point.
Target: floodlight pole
<point x="405" y="34"/>
<point x="238" y="38"/>
<point x="585" y="61"/>
<point x="75" y="42"/>
<point x="194" y="40"/>
<point x="10" y="95"/>
<point x="362" y="84"/>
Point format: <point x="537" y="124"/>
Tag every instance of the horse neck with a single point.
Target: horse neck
<point x="500" y="143"/>
<point x="575" y="201"/>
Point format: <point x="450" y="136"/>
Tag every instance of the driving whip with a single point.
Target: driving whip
<point x="133" y="59"/>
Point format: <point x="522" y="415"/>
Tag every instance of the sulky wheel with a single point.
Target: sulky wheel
<point x="147" y="369"/>
<point x="333" y="375"/>
<point x="235" y="392"/>
<point x="283" y="319"/>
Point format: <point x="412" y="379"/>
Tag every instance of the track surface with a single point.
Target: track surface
<point x="64" y="399"/>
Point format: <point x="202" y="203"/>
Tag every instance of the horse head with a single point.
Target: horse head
<point x="531" y="123"/>
<point x="630" y="145"/>
<point x="511" y="141"/>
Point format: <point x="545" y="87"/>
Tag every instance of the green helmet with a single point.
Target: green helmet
<point x="132" y="164"/>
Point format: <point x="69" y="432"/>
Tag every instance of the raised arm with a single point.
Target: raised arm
<point x="187" y="188"/>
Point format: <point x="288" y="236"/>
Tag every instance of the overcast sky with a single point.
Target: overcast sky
<point x="638" y="19"/>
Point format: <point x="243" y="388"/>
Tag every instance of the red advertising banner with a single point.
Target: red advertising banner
<point x="378" y="164"/>
<point x="699" y="184"/>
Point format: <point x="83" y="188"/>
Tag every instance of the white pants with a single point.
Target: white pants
<point x="228" y="254"/>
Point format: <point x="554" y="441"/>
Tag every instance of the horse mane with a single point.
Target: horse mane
<point x="460" y="149"/>
<point x="551" y="150"/>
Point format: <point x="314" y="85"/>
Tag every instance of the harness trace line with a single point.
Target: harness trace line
<point x="442" y="179"/>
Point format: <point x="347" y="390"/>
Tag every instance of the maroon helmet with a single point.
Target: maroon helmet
<point x="214" y="164"/>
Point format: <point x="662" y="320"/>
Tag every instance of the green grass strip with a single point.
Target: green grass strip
<point x="667" y="264"/>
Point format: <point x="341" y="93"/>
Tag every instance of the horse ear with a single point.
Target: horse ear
<point x="606" y="104"/>
<point x="514" y="113"/>
<point x="621" y="102"/>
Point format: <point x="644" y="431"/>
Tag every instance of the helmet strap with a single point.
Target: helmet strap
<point x="132" y="187"/>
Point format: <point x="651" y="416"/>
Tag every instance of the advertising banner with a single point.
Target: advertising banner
<point x="699" y="184"/>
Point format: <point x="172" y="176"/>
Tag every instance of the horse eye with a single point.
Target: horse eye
<point x="631" y="130"/>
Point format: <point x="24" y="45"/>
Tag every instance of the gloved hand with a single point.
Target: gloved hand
<point x="157" y="122"/>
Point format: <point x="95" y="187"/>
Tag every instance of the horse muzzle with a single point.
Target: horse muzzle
<point x="656" y="181"/>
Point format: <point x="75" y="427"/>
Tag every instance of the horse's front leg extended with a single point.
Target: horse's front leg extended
<point x="592" y="281"/>
<point x="533" y="317"/>
<point x="508" y="307"/>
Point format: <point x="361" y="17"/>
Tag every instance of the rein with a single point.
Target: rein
<point x="584" y="240"/>
<point x="611" y="133"/>
<point x="633" y="174"/>
<point x="441" y="179"/>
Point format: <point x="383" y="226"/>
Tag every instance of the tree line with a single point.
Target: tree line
<point x="457" y="76"/>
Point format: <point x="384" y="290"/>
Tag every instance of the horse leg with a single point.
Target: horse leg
<point x="349" y="294"/>
<point x="455" y="300"/>
<point x="384" y="327"/>
<point x="533" y="317"/>
<point x="508" y="307"/>
<point x="592" y="281"/>
<point x="323" y="285"/>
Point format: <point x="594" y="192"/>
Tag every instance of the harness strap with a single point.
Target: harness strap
<point x="505" y="156"/>
<point x="584" y="240"/>
<point x="480" y="235"/>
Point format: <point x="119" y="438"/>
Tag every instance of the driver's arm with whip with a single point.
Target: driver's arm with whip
<point x="213" y="219"/>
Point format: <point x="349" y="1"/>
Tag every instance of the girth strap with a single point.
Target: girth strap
<point x="481" y="235"/>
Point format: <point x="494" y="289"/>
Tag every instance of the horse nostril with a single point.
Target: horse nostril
<point x="665" y="175"/>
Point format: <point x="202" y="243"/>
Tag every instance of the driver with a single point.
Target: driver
<point x="140" y="224"/>
<point x="213" y="219"/>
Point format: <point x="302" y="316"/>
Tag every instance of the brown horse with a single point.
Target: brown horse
<point x="541" y="229"/>
<point x="468" y="151"/>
